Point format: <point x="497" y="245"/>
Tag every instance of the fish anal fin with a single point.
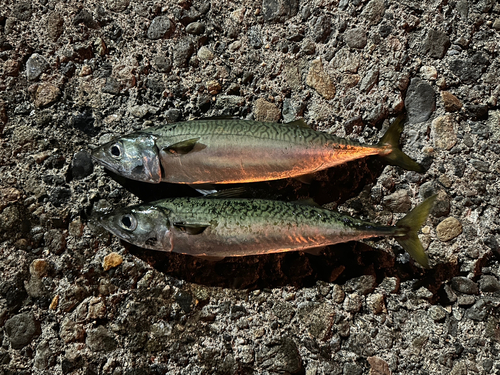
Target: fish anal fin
<point x="191" y="228"/>
<point x="316" y="251"/>
<point x="306" y="202"/>
<point x="210" y="258"/>
<point x="299" y="123"/>
<point x="305" y="178"/>
<point x="184" y="147"/>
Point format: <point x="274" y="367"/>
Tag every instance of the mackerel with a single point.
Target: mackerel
<point x="216" y="151"/>
<point x="218" y="228"/>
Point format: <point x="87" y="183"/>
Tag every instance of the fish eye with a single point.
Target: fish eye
<point x="128" y="222"/>
<point x="116" y="150"/>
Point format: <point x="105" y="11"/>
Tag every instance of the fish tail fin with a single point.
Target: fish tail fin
<point x="396" y="156"/>
<point x="408" y="228"/>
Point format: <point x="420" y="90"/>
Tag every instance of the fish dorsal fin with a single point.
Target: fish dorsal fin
<point x="306" y="202"/>
<point x="221" y="117"/>
<point x="299" y="123"/>
<point x="191" y="228"/>
<point x="184" y="147"/>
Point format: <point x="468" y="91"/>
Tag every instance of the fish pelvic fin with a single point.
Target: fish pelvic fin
<point x="395" y="156"/>
<point x="408" y="228"/>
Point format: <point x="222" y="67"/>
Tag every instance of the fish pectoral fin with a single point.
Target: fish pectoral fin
<point x="316" y="251"/>
<point x="300" y="123"/>
<point x="184" y="147"/>
<point x="191" y="228"/>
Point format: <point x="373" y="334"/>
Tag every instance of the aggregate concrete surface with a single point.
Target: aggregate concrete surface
<point x="75" y="74"/>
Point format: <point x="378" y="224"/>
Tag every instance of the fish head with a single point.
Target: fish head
<point x="145" y="226"/>
<point x="134" y="156"/>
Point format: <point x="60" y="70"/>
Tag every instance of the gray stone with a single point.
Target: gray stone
<point x="322" y="29"/>
<point x="308" y="46"/>
<point x="353" y="302"/>
<point x="464" y="285"/>
<point x="437" y="313"/>
<point x="161" y="27"/>
<point x="23" y="11"/>
<point x="44" y="356"/>
<point x="436" y="44"/>
<point x="352" y="369"/>
<point x="255" y="37"/>
<point x="318" y="318"/>
<point x="489" y="283"/>
<point x="112" y="86"/>
<point x="195" y="28"/>
<point x="35" y="66"/>
<point x="162" y="63"/>
<point x="398" y="201"/>
<point x="279" y="10"/>
<point x="356" y="38"/>
<point x="21" y="329"/>
<point x="85" y="17"/>
<point x="481" y="166"/>
<point x="283" y="357"/>
<point x="101" y="340"/>
<point x="470" y="70"/>
<point x="420" y="101"/>
<point x="479" y="311"/>
<point x="117" y="5"/>
<point x="81" y="165"/>
<point x="369" y="80"/>
<point x="363" y="284"/>
<point x="55" y="25"/>
<point x="182" y="53"/>
<point x="374" y="11"/>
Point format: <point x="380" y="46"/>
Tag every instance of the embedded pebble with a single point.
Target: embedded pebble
<point x="398" y="201"/>
<point x="46" y="94"/>
<point x="100" y="339"/>
<point x="279" y="10"/>
<point x="21" y="329"/>
<point x="437" y="313"/>
<point x="39" y="268"/>
<point x="464" y="285"/>
<point x="319" y="80"/>
<point x="443" y="128"/>
<point x="436" y="43"/>
<point x="117" y="5"/>
<point x="183" y="52"/>
<point x="356" y="38"/>
<point x="35" y="66"/>
<point x="448" y="229"/>
<point x="369" y="80"/>
<point x="451" y="102"/>
<point x="81" y="165"/>
<point x="111" y="260"/>
<point x="204" y="53"/>
<point x="420" y="101"/>
<point x="266" y="111"/>
<point x="195" y="28"/>
<point x="160" y="27"/>
<point x="489" y="283"/>
<point x="373" y="11"/>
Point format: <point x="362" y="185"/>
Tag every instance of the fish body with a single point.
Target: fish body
<point x="215" y="151"/>
<point x="219" y="228"/>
